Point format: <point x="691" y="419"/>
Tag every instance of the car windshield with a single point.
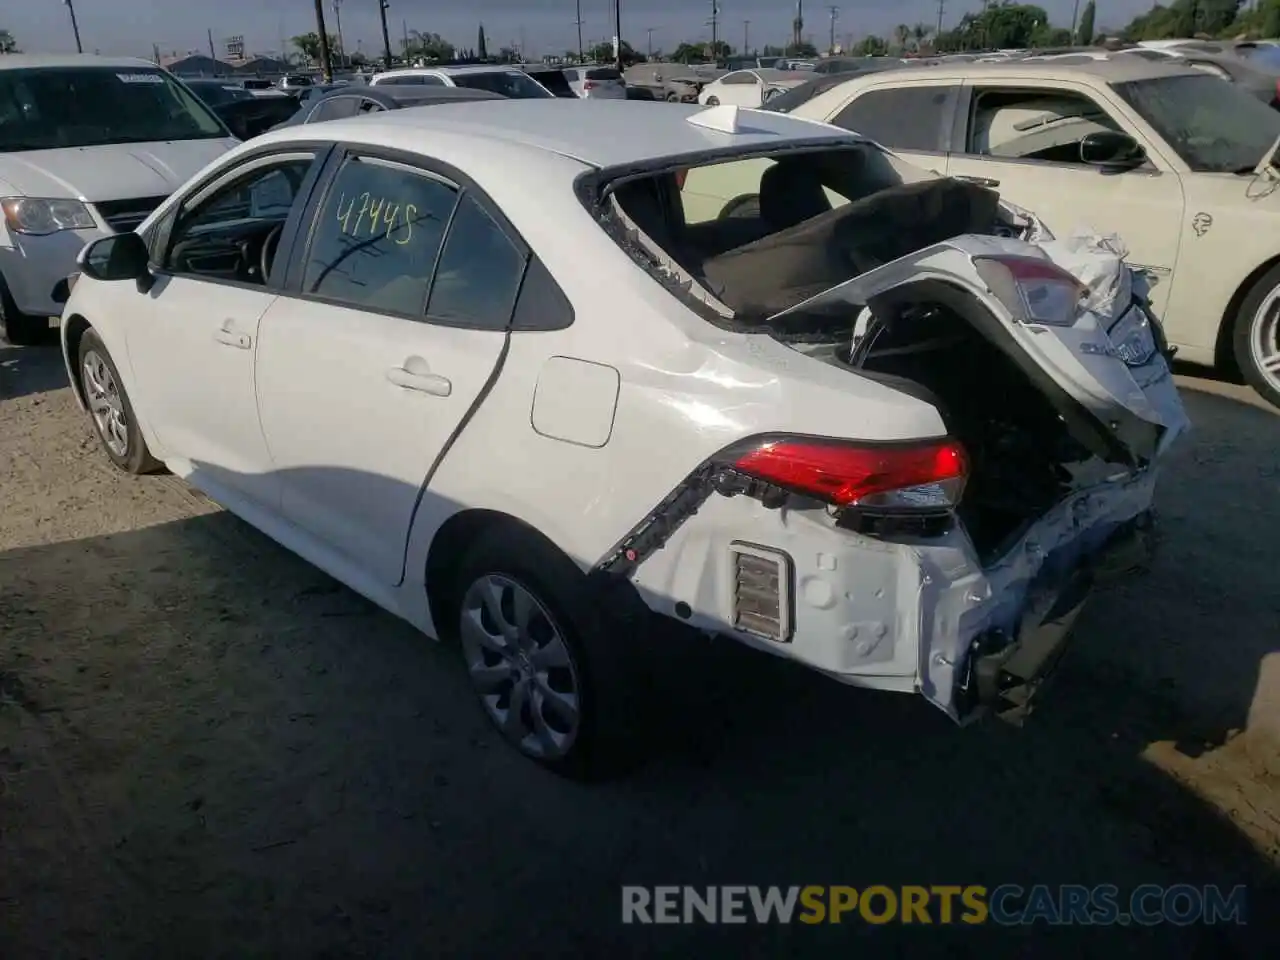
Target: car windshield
<point x="803" y="93"/>
<point x="47" y="108"/>
<point x="509" y="83"/>
<point x="1213" y="126"/>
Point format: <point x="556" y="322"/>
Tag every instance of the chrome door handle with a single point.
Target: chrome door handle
<point x="431" y="383"/>
<point x="980" y="181"/>
<point x="226" y="335"/>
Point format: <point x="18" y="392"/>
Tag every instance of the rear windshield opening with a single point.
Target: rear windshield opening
<point x="763" y="234"/>
<point x="603" y="73"/>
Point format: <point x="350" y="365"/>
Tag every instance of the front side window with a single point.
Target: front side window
<point x="46" y="108"/>
<point x="1045" y="125"/>
<point x="377" y="237"/>
<point x="1211" y="125"/>
<point x="509" y="83"/>
<point x="232" y="234"/>
<point x="900" y="118"/>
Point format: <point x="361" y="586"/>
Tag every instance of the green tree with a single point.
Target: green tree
<point x="603" y="53"/>
<point x="7" y="43"/>
<point x="802" y="50"/>
<point x="919" y="34"/>
<point x="700" y="52"/>
<point x="872" y="47"/>
<point x="901" y="37"/>
<point x="482" y="48"/>
<point x="771" y="51"/>
<point x="309" y="44"/>
<point x="430" y="46"/>
<point x="1084" y="31"/>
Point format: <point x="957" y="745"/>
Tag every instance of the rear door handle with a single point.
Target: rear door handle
<point x="980" y="181"/>
<point x="432" y="383"/>
<point x="227" y="335"/>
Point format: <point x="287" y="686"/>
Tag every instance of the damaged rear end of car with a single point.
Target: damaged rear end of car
<point x="951" y="564"/>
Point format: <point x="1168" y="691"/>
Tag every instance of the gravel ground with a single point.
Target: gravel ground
<point x="209" y="748"/>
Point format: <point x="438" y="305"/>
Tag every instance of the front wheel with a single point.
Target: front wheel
<point x="713" y="101"/>
<point x="20" y="329"/>
<point x="1256" y="337"/>
<point x="548" y="672"/>
<point x="113" y="417"/>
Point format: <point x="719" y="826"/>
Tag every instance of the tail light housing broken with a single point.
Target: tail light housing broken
<point x="1032" y="289"/>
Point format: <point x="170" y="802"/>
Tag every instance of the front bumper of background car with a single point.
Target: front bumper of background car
<point x="924" y="616"/>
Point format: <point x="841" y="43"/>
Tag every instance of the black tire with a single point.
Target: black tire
<point x="601" y="651"/>
<point x="20" y="329"/>
<point x="136" y="458"/>
<point x="673" y="98"/>
<point x="1242" y="333"/>
<point x="713" y="101"/>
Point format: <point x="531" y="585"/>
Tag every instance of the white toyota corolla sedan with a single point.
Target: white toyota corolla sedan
<point x="493" y="367"/>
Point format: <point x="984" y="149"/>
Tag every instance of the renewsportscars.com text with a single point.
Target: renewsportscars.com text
<point x="1005" y="905"/>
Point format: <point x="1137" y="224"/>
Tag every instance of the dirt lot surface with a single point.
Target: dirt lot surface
<point x="209" y="748"/>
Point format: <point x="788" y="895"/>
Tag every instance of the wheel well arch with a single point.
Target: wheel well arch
<point x="1223" y="354"/>
<point x="75" y="327"/>
<point x="452" y="539"/>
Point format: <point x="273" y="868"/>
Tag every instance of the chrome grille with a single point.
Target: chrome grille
<point x="761" y="591"/>
<point x="125" y="215"/>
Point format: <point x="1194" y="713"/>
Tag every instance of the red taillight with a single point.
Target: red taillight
<point x="915" y="476"/>
<point x="589" y="85"/>
<point x="1034" y="290"/>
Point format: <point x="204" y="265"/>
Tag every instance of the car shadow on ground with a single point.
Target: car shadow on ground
<point x="25" y="371"/>
<point x="211" y="742"/>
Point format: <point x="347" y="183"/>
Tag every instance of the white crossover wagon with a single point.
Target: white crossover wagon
<point x="493" y="369"/>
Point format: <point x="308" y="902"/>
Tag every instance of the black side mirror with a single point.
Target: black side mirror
<point x="121" y="256"/>
<point x="1111" y="150"/>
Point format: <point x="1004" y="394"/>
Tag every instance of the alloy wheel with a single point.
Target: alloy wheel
<point x="1264" y="339"/>
<point x="521" y="666"/>
<point x="106" y="404"/>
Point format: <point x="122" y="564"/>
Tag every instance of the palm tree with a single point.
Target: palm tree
<point x="919" y="34"/>
<point x="7" y="43"/>
<point x="901" y="36"/>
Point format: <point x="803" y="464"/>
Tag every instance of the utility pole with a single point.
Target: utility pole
<point x="212" y="54"/>
<point x="797" y="25"/>
<point x="337" y="16"/>
<point x="326" y="63"/>
<point x="1075" y="23"/>
<point x="649" y="48"/>
<point x="942" y="8"/>
<point x="155" y="53"/>
<point x="715" y="20"/>
<point x="746" y="38"/>
<point x="831" y="41"/>
<point x="578" y="21"/>
<point x="404" y="38"/>
<point x="617" y="34"/>
<point x="75" y="27"/>
<point x="386" y="37"/>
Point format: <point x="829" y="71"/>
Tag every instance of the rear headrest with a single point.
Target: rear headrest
<point x="791" y="193"/>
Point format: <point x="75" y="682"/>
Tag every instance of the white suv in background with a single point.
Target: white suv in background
<point x="89" y="146"/>
<point x="507" y="81"/>
<point x="596" y="83"/>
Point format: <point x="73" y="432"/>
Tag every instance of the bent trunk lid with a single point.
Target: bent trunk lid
<point x="1126" y="415"/>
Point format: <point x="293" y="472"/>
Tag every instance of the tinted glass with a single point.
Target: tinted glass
<point x="335" y="108"/>
<point x="479" y="272"/>
<point x="604" y="73"/>
<point x="377" y="238"/>
<point x="1266" y="57"/>
<point x="509" y="83"/>
<point x="796" y="96"/>
<point x="1213" y="126"/>
<point x="404" y="81"/>
<point x="908" y="118"/>
<point x="51" y="107"/>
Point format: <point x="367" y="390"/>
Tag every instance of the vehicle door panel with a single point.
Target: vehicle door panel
<point x="364" y="377"/>
<point x="193" y="336"/>
<point x="1037" y="127"/>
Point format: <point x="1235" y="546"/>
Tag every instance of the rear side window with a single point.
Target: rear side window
<point x="903" y="118"/>
<point x="377" y="237"/>
<point x="479" y="272"/>
<point x="335" y="108"/>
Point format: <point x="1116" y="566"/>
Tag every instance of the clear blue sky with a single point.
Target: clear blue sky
<point x="132" y="26"/>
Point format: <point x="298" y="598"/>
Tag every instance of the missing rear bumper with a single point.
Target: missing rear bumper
<point x="1004" y="674"/>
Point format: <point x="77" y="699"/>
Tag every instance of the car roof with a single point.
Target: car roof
<point x="1119" y="68"/>
<point x="452" y="71"/>
<point x="600" y="133"/>
<point x="30" y="61"/>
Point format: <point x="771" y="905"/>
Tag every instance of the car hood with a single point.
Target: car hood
<point x="110" y="172"/>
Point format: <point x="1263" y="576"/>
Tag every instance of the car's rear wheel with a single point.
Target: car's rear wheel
<point x="1256" y="337"/>
<point x="713" y="101"/>
<point x="109" y="408"/>
<point x="548" y="673"/>
<point x="20" y="329"/>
